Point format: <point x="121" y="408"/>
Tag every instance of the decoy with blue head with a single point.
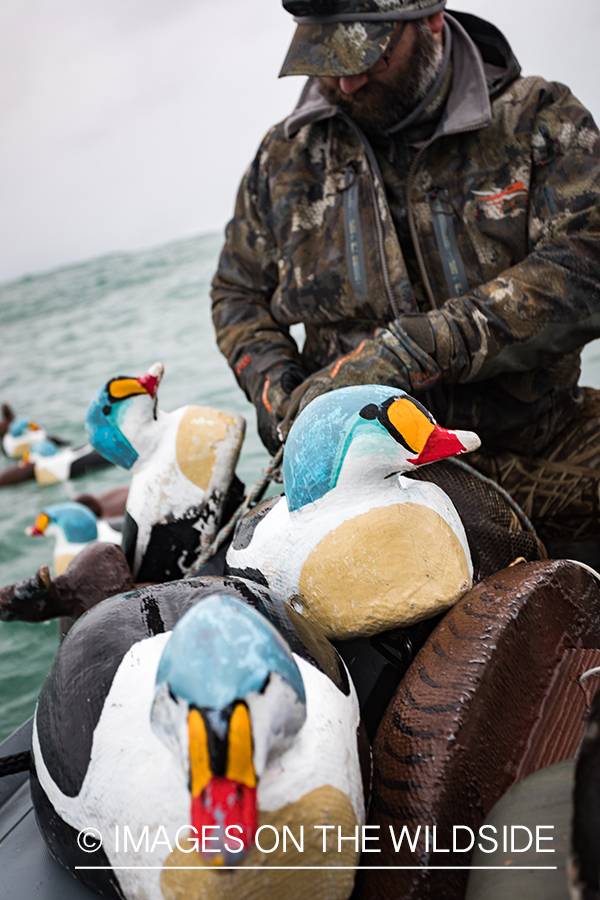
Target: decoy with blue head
<point x="20" y="435"/>
<point x="53" y="464"/>
<point x="354" y="546"/>
<point x="183" y="472"/>
<point x="181" y="713"/>
<point x="73" y="526"/>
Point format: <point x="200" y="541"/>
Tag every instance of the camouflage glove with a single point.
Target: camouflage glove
<point x="391" y="357"/>
<point x="273" y="400"/>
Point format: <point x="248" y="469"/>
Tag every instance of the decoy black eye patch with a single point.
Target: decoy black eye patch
<point x="369" y="412"/>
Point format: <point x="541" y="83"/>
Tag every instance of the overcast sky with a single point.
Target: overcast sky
<point x="128" y="123"/>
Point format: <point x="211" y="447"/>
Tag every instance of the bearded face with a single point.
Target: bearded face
<point x="389" y="97"/>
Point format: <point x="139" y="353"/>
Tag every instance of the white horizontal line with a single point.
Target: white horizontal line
<point x="318" y="868"/>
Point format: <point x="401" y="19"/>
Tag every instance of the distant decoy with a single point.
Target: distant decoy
<point x="181" y="707"/>
<point x="73" y="526"/>
<point x="182" y="464"/>
<point x="97" y="572"/>
<point x="54" y="464"/>
<point x="20" y="435"/>
<point x="354" y="546"/>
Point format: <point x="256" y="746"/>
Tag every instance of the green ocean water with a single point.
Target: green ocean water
<point x="64" y="334"/>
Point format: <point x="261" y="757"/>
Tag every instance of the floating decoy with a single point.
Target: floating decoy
<point x="180" y="707"/>
<point x="53" y="464"/>
<point x="182" y="464"/>
<point x="16" y="474"/>
<point x="21" y="434"/>
<point x="354" y="546"/>
<point x="73" y="526"/>
<point x="97" y="572"/>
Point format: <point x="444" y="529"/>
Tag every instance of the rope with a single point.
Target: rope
<point x="18" y="762"/>
<point x="521" y="516"/>
<point x="254" y="496"/>
<point x="591" y="673"/>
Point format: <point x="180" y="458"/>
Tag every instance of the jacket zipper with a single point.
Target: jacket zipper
<point x="373" y="173"/>
<point x="419" y="253"/>
<point x="410" y="212"/>
<point x="412" y="226"/>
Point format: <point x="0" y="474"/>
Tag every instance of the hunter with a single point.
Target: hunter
<point x="432" y="218"/>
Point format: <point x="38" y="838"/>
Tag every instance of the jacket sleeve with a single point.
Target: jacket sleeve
<point x="246" y="279"/>
<point x="548" y="304"/>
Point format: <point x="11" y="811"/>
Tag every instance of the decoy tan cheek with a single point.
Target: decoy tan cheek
<point x="400" y="563"/>
<point x="258" y="875"/>
<point x="201" y="433"/>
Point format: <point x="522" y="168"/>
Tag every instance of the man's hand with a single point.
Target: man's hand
<point x="273" y="401"/>
<point x="391" y="357"/>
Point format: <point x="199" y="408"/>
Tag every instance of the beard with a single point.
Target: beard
<point x="379" y="106"/>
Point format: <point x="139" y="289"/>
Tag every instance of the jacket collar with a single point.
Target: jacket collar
<point x="483" y="63"/>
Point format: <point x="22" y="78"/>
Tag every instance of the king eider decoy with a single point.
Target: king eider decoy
<point x="53" y="464"/>
<point x="354" y="546"/>
<point x="182" y="464"/>
<point x="178" y="707"/>
<point x="73" y="526"/>
<point x="20" y="435"/>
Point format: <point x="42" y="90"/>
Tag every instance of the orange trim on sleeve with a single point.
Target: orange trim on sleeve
<point x="242" y="364"/>
<point x="268" y="406"/>
<point x="343" y="359"/>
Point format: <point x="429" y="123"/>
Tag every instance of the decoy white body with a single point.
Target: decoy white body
<point x="354" y="546"/>
<point x="52" y="469"/>
<point x="166" y="483"/>
<point x="306" y="761"/>
<point x="57" y="464"/>
<point x="107" y="534"/>
<point x="21" y="436"/>
<point x="418" y="561"/>
<point x="182" y="464"/>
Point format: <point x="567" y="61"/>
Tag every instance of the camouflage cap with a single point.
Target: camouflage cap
<point x="346" y="37"/>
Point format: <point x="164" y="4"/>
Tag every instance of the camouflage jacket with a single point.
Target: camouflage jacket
<point x="503" y="211"/>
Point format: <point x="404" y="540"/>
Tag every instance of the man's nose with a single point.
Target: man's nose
<point x="349" y="84"/>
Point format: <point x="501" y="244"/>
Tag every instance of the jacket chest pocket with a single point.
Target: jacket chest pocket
<point x="329" y="267"/>
<point x="355" y="252"/>
<point x="497" y="223"/>
<point x="447" y="243"/>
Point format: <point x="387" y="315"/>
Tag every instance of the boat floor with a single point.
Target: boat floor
<point x="28" y="870"/>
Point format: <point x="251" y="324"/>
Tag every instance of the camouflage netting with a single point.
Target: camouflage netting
<point x="496" y="535"/>
<point x="560" y="490"/>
